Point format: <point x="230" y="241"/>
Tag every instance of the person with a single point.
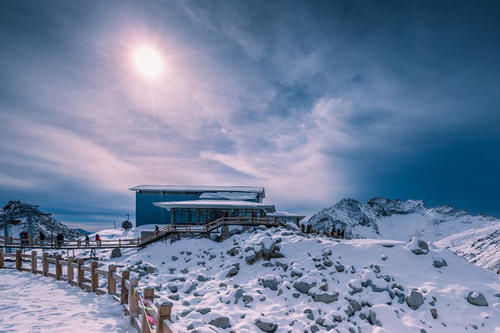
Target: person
<point x="59" y="240"/>
<point x="87" y="241"/>
<point x="156" y="229"/>
<point x="42" y="238"/>
<point x="97" y="240"/>
<point x="254" y="216"/>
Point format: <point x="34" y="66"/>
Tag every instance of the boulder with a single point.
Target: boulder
<point x="235" y="268"/>
<point x="476" y="298"/>
<point x="266" y="325"/>
<point x="270" y="282"/>
<point x="116" y="253"/>
<point x="439" y="262"/>
<point x="221" y="322"/>
<point x="251" y="259"/>
<point x="233" y="251"/>
<point x="415" y="299"/>
<point x="267" y="246"/>
<point x="418" y="246"/>
<point x="325" y="297"/>
<point x="304" y="284"/>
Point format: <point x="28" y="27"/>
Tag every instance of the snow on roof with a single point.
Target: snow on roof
<point x="285" y="214"/>
<point x="212" y="204"/>
<point x="198" y="188"/>
<point x="229" y="195"/>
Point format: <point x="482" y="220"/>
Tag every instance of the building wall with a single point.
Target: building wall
<point x="146" y="213"/>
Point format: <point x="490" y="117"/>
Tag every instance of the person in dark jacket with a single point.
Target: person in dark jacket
<point x="87" y="241"/>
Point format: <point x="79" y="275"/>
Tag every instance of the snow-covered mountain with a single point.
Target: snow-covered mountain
<point x="280" y="280"/>
<point x="476" y="238"/>
<point x="396" y="219"/>
<point x="17" y="213"/>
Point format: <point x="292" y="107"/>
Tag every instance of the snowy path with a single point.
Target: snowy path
<point x="33" y="303"/>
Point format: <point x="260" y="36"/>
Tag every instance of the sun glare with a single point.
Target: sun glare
<point x="148" y="61"/>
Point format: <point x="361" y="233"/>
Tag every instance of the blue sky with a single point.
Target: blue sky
<point x="316" y="101"/>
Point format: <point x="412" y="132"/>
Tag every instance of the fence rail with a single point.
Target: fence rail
<point x="146" y="315"/>
<point x="68" y="244"/>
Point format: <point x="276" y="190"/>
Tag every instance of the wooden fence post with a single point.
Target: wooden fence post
<point x="19" y="259"/>
<point x="70" y="270"/>
<point x="33" y="262"/>
<point x="124" y="291"/>
<point x="58" y="267"/>
<point x="149" y="293"/>
<point x="111" y="281"/>
<point x="80" y="273"/>
<point x="164" y="312"/>
<point x="133" y="304"/>
<point x="1" y="257"/>
<point x="45" y="263"/>
<point x="94" y="277"/>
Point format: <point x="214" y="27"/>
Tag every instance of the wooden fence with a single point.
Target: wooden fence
<point x="145" y="314"/>
<point x="53" y="243"/>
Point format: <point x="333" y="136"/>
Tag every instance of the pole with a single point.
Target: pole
<point x="6" y="232"/>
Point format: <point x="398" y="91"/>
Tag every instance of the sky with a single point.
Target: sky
<point x="314" y="100"/>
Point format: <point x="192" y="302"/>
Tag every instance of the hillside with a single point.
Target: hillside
<point x="279" y="280"/>
<point x="17" y="213"/>
<point x="479" y="246"/>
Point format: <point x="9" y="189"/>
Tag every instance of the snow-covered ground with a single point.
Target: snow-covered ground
<point x="313" y="283"/>
<point x="33" y="303"/>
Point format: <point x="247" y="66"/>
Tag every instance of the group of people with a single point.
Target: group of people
<point x="97" y="240"/>
<point x="59" y="240"/>
<point x="335" y="233"/>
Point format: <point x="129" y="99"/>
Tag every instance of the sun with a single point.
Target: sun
<point x="148" y="61"/>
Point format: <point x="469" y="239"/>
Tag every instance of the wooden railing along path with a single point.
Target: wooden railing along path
<point x="146" y="315"/>
<point x="68" y="244"/>
<point x="137" y="242"/>
<point x="208" y="227"/>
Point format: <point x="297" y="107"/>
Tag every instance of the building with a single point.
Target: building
<point x="147" y="195"/>
<point x="187" y="204"/>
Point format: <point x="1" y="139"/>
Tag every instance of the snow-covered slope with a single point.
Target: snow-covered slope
<point x="281" y="280"/>
<point x="396" y="219"/>
<point x="479" y="246"/>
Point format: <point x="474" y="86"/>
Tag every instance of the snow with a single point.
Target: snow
<point x="33" y="303"/>
<point x="480" y="246"/>
<point x="196" y="188"/>
<point x="302" y="254"/>
<point x="229" y="195"/>
<point x="211" y="204"/>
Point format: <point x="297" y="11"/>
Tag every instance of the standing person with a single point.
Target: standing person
<point x="97" y="240"/>
<point x="87" y="241"/>
<point x="42" y="238"/>
<point x="156" y="229"/>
